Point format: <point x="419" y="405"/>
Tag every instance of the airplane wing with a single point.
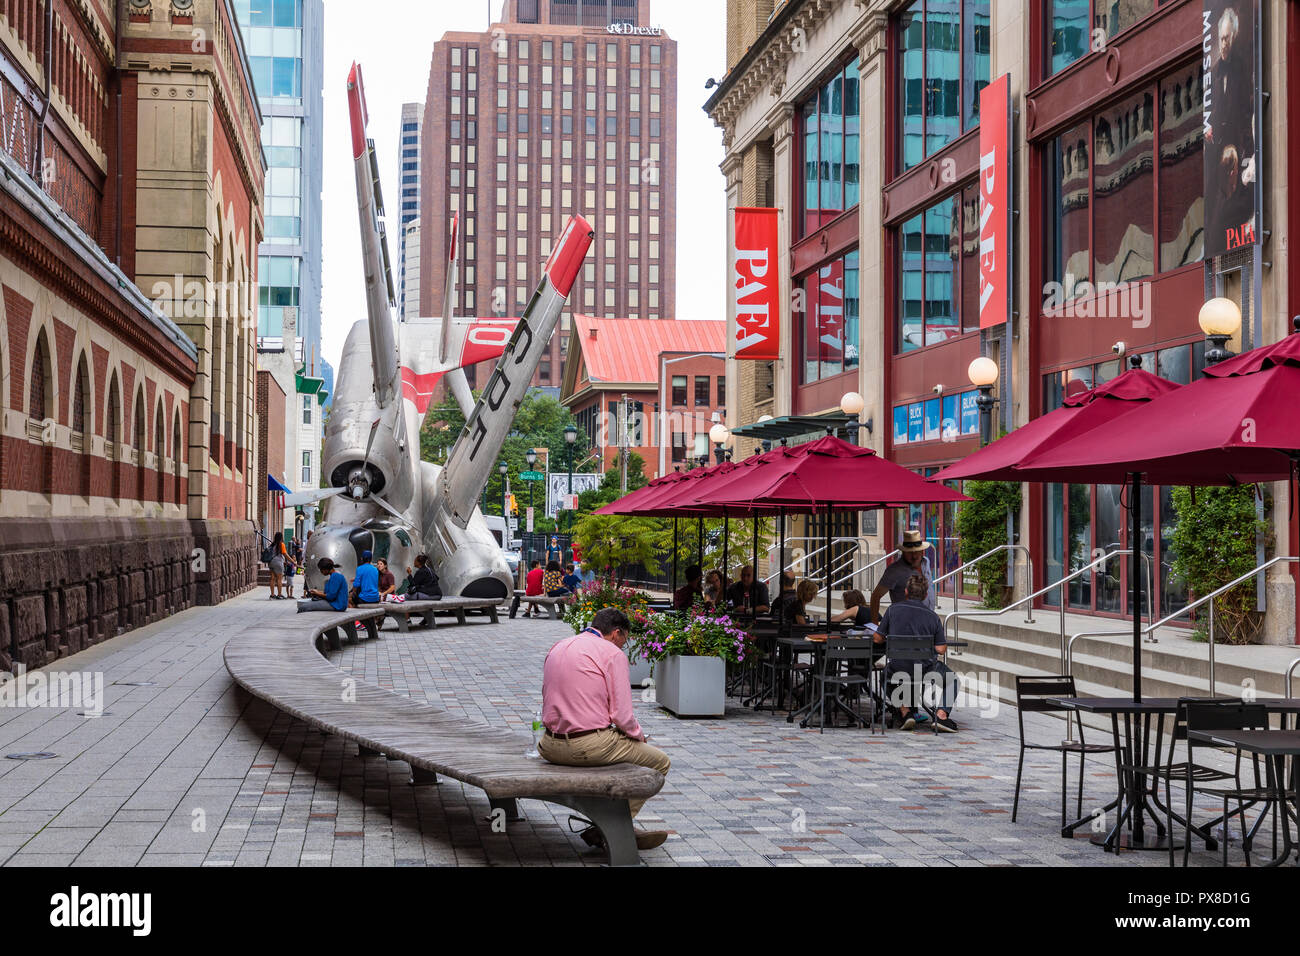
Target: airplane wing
<point x="470" y="341"/>
<point x="380" y="297"/>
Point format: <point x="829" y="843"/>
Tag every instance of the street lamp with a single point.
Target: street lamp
<point x="852" y="405"/>
<point x="570" y="436"/>
<point x="1220" y="320"/>
<point x="983" y="373"/>
<point x="719" y="434"/>
<point x="502" y="469"/>
<point x="530" y="456"/>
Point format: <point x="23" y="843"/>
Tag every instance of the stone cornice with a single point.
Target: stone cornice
<point x="871" y="33"/>
<point x="767" y="71"/>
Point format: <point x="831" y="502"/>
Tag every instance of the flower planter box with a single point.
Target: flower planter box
<point x="692" y="686"/>
<point x="642" y="671"/>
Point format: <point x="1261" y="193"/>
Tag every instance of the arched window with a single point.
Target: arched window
<point x="139" y="437"/>
<point x="38" y="397"/>
<point x="159" y="448"/>
<point x="177" y="454"/>
<point x="113" y="438"/>
<point x="80" y="395"/>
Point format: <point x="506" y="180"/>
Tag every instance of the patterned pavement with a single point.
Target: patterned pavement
<point x="188" y="770"/>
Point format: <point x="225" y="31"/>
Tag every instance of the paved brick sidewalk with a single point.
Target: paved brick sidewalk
<point x="188" y="770"/>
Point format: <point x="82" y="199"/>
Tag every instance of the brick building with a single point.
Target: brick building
<point x="672" y="374"/>
<point x="561" y="108"/>
<point x="271" y="411"/>
<point x="129" y="219"/>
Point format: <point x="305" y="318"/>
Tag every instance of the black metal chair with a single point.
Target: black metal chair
<point x="839" y="651"/>
<point x="1217" y="714"/>
<point x="1032" y="696"/>
<point x="909" y="649"/>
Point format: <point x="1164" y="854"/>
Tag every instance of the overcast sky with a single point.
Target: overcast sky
<point x="393" y="40"/>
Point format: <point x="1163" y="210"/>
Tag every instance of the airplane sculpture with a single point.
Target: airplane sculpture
<point x="383" y="498"/>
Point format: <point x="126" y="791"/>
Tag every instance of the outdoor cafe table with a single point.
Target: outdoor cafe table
<point x="1134" y="796"/>
<point x="1274" y="746"/>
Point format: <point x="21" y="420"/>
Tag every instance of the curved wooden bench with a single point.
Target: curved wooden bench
<point x="402" y="611"/>
<point x="279" y="662"/>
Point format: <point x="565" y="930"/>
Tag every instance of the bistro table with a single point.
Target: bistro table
<point x="1134" y="796"/>
<point x="1274" y="746"/>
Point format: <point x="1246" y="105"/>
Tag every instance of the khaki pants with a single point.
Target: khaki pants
<point x="601" y="749"/>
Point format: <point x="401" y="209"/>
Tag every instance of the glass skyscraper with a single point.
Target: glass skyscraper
<point x="285" y="43"/>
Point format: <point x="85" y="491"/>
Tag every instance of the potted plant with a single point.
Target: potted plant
<point x="603" y="593"/>
<point x="690" y="651"/>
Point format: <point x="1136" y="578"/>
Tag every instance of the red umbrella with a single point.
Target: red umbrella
<point x="1237" y="425"/>
<point x="827" y="472"/>
<point x="1004" y="459"/>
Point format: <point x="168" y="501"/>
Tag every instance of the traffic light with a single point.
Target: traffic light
<point x="514" y="505"/>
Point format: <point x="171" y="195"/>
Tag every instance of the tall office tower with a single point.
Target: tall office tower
<point x="563" y="106"/>
<point x="411" y="270"/>
<point x="286" y="47"/>
<point x="408" y="294"/>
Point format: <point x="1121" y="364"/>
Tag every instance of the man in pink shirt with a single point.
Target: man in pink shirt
<point x="587" y="709"/>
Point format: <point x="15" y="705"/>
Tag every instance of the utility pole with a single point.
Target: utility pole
<point x="622" y="445"/>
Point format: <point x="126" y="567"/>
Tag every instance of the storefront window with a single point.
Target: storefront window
<point x="829" y="148"/>
<point x="943" y="64"/>
<point x="828" y="322"/>
<point x="1182" y="142"/>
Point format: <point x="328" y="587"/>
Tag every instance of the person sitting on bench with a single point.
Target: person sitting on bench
<point x="533" y="585"/>
<point x="685" y="595"/>
<point x="911" y="618"/>
<point x="387" y="580"/>
<point x="553" y="581"/>
<point x="587" y="710"/>
<point x="748" y="595"/>
<point x="365" y="583"/>
<point x="424" y="583"/>
<point x="335" y="595"/>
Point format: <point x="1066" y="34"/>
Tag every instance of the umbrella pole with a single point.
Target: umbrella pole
<point x="699" y="531"/>
<point x="828" y="568"/>
<point x="780" y="557"/>
<point x="674" y="556"/>
<point x="754" y="564"/>
<point x="1135" y="574"/>
<point x="726" y="522"/>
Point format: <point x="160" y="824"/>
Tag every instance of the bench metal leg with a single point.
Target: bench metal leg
<point x="403" y="622"/>
<point x="460" y="615"/>
<point x="514" y="606"/>
<point x="509" y="805"/>
<point x="421" y="777"/>
<point x="364" y="751"/>
<point x="492" y="613"/>
<point x="555" y="612"/>
<point x="372" y="628"/>
<point x="614" y="820"/>
<point x="350" y="629"/>
<point x="334" y="639"/>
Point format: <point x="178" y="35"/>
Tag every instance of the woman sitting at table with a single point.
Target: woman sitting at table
<point x="796" y="610"/>
<point x="856" y="609"/>
<point x="715" y="590"/>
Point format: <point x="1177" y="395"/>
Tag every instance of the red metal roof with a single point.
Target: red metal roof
<point x="627" y="350"/>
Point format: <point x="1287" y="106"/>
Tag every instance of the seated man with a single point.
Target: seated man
<point x="533" y="585"/>
<point x="365" y="583"/>
<point x="685" y="595"/>
<point x="749" y="595"/>
<point x="911" y="618"/>
<point x="335" y="595"/>
<point x="787" y="594"/>
<point x="587" y="709"/>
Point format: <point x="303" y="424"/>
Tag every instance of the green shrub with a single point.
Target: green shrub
<point x="982" y="525"/>
<point x="1214" y="542"/>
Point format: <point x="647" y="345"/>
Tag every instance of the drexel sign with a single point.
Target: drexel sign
<point x="632" y="30"/>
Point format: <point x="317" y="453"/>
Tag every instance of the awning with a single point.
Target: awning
<point x="273" y="485"/>
<point x="791" y="426"/>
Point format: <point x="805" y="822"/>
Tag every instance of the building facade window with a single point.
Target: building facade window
<point x="1124" y="196"/>
<point x="938" y="277"/>
<point x="702" y="391"/>
<point x="827" y="323"/>
<point x="306" y="409"/>
<point x="306" y="468"/>
<point x="1070" y="25"/>
<point x="679" y="390"/>
<point x="943" y="63"/>
<point x="829" y="151"/>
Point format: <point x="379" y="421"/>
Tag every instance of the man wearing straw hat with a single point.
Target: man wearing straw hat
<point x="914" y="560"/>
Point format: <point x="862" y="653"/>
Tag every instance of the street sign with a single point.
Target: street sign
<point x="530" y="520"/>
<point x="531" y="476"/>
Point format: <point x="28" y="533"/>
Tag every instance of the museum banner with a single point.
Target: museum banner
<point x="757" y="284"/>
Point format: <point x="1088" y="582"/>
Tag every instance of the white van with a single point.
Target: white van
<point x="501" y="531"/>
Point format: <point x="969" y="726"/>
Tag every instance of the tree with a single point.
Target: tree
<point x="539" y="423"/>
<point x="610" y="488"/>
<point x="615" y="542"/>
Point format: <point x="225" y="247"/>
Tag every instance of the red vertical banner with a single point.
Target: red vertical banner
<point x="995" y="203"/>
<point x="830" y="313"/>
<point x="757" y="284"/>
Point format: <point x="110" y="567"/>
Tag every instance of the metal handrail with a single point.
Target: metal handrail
<point x="973" y="612"/>
<point x="1068" y="658"/>
<point x="1289" y="671"/>
<point x="956" y="589"/>
<point x="838" y="563"/>
<point x="803" y="558"/>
